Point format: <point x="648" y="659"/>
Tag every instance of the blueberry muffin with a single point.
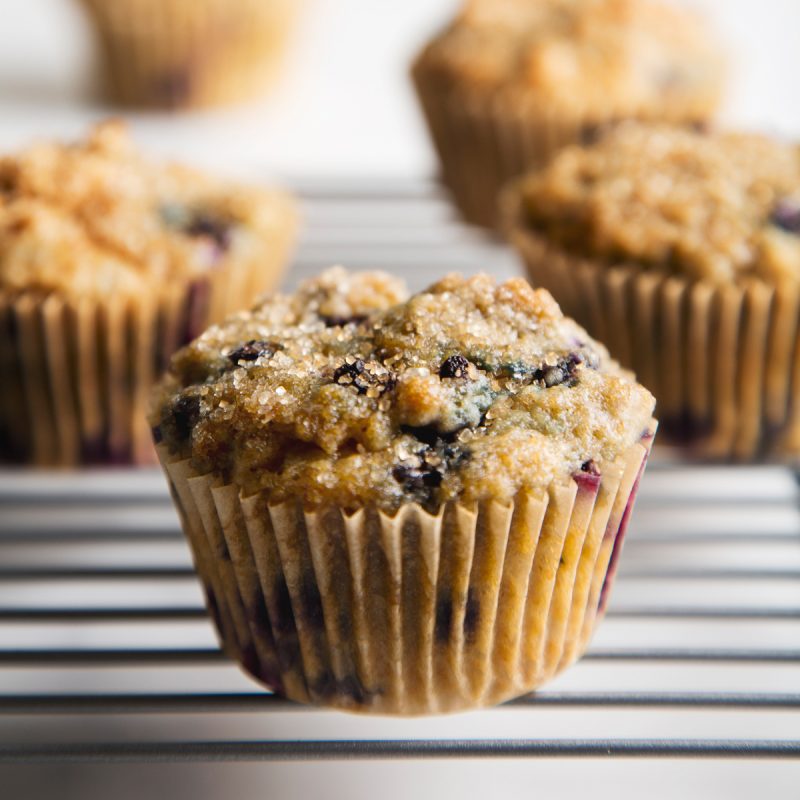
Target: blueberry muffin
<point x="509" y="82"/>
<point x="180" y="54"/>
<point x="108" y="264"/>
<point x="681" y="251"/>
<point x="403" y="504"/>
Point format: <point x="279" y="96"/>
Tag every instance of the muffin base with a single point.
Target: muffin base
<point x="483" y="142"/>
<point x="722" y="361"/>
<point x="411" y="613"/>
<point x="190" y="53"/>
<point x="77" y="373"/>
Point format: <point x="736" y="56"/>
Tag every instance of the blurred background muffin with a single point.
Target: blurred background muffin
<point x="108" y="264"/>
<point x="681" y="251"/>
<point x="189" y="53"/>
<point x="509" y="82"/>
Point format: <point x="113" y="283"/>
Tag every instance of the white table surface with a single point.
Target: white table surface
<point x="343" y="105"/>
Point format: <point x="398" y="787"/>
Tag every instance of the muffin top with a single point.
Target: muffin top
<point x="723" y="207"/>
<point x="94" y="219"/>
<point x="351" y="393"/>
<point x="589" y="59"/>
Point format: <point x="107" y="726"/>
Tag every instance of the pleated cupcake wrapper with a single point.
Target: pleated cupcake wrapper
<point x="482" y="143"/>
<point x="413" y="613"/>
<point x="485" y="141"/>
<point x="76" y="375"/>
<point x="186" y="53"/>
<point x="722" y="361"/>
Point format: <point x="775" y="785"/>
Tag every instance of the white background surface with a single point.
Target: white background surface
<point x="343" y="105"/>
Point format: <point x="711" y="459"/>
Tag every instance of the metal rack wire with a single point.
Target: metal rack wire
<point x="106" y="653"/>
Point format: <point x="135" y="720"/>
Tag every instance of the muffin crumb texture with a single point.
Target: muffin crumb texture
<point x="95" y="219"/>
<point x="351" y="393"/>
<point x="719" y="207"/>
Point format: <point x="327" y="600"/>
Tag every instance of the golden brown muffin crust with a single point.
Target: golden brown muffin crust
<point x="719" y="207"/>
<point x="589" y="59"/>
<point x="95" y="218"/>
<point x="350" y="393"/>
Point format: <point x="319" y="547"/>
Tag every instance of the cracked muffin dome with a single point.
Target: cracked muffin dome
<point x="719" y="207"/>
<point x="350" y="392"/>
<point x="594" y="59"/>
<point x="95" y="219"/>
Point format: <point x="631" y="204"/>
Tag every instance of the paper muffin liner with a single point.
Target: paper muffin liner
<point x="484" y="141"/>
<point x="722" y="361"/>
<point x="410" y="613"/>
<point x="77" y="373"/>
<point x="190" y="53"/>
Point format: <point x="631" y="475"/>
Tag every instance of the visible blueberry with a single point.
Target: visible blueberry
<point x="158" y="435"/>
<point x="421" y="475"/>
<point x="419" y="478"/>
<point x="185" y="413"/>
<point x="253" y="350"/>
<point x="454" y="367"/>
<point x="365" y="379"/>
<point x="340" y="322"/>
<point x="455" y="456"/>
<point x="348" y="372"/>
<point x="563" y="371"/>
<point x="589" y="476"/>
<point x="216" y="229"/>
<point x="786" y="216"/>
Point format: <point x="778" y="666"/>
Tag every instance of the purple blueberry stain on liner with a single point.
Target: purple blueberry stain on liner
<point x="250" y="660"/>
<point x="786" y="215"/>
<point x="589" y="477"/>
<point x="472" y="615"/>
<point x="619" y="539"/>
<point x="312" y="602"/>
<point x="174" y="88"/>
<point x="443" y="620"/>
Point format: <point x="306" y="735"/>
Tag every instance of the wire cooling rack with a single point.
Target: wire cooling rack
<point x="106" y="654"/>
